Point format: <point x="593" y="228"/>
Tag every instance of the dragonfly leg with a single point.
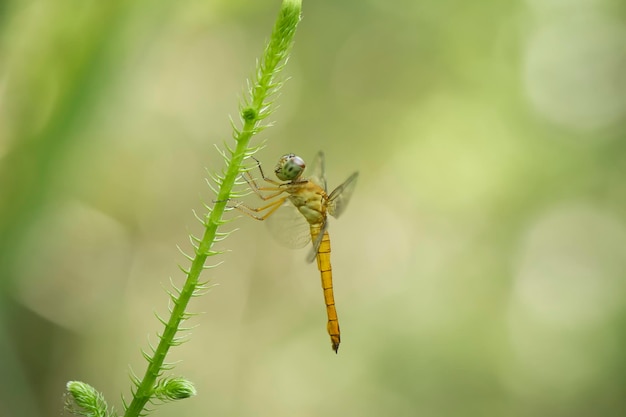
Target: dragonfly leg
<point x="271" y="207"/>
<point x="266" y="179"/>
<point x="257" y="190"/>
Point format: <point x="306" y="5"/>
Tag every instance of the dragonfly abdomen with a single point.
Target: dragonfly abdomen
<point x="324" y="266"/>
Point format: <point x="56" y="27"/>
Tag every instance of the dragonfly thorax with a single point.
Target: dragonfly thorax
<point x="310" y="200"/>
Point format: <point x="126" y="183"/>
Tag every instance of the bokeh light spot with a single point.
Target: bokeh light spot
<point x="571" y="267"/>
<point x="574" y="71"/>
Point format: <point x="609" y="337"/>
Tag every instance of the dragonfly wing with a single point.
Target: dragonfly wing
<point x="316" y="244"/>
<point x="289" y="227"/>
<point x="340" y="197"/>
<point x="318" y="170"/>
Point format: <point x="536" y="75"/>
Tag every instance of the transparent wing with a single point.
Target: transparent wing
<point x="340" y="197"/>
<point x="316" y="245"/>
<point x="289" y="227"/>
<point x="317" y="171"/>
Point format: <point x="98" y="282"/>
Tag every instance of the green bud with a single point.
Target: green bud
<point x="86" y="400"/>
<point x="170" y="389"/>
<point x="248" y="114"/>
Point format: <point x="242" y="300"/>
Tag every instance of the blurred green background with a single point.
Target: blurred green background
<point x="480" y="269"/>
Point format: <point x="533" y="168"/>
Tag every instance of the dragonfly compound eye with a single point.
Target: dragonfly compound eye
<point x="289" y="168"/>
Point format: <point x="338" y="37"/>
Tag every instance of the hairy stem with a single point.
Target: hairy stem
<point x="255" y="108"/>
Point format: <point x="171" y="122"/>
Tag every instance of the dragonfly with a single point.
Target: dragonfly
<point x="312" y="203"/>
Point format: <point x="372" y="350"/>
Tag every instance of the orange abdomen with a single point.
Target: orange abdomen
<point x="323" y="264"/>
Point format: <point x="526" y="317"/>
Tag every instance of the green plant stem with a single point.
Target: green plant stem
<point x="252" y="114"/>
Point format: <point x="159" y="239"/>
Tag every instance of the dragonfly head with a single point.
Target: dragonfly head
<point x="289" y="167"/>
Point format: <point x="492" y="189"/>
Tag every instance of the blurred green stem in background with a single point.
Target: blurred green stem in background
<point x="42" y="132"/>
<point x="254" y="109"/>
